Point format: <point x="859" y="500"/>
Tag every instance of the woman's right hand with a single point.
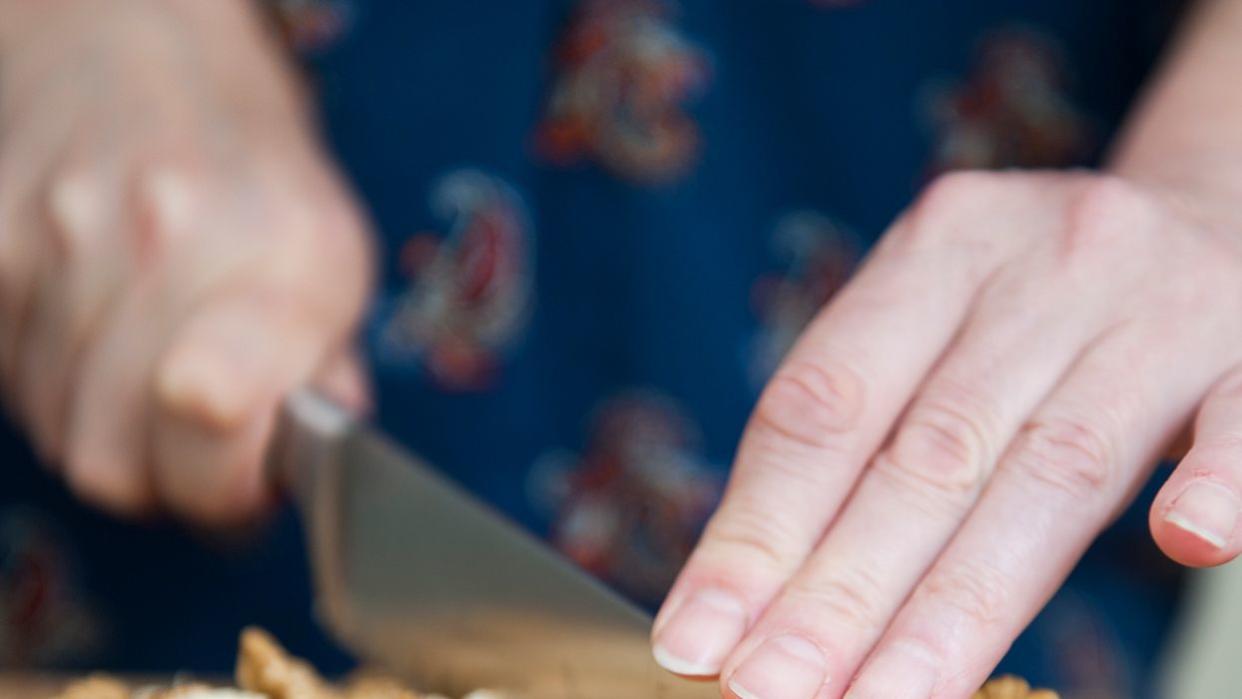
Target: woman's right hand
<point x="176" y="253"/>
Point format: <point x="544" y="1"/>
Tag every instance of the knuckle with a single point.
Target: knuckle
<point x="811" y="405"/>
<point x="167" y="202"/>
<point x="941" y="201"/>
<point x="941" y="449"/>
<point x="331" y="240"/>
<point x="954" y="190"/>
<point x="1070" y="456"/>
<point x="188" y="391"/>
<point x="978" y="592"/>
<point x="72" y="207"/>
<point x="752" y="538"/>
<point x="848" y="595"/>
<point x="1104" y="211"/>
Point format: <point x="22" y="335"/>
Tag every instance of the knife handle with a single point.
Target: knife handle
<point x="308" y="432"/>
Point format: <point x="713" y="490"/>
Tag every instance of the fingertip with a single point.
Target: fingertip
<point x="210" y="477"/>
<point x="701" y="633"/>
<point x="240" y="502"/>
<point x="167" y="201"/>
<point x="75" y="207"/>
<point x="1195" y="522"/>
<point x="1187" y="548"/>
<point x="122" y="489"/>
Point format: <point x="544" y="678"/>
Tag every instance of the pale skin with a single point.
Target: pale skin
<point x="176" y="253"/>
<point x="928" y="464"/>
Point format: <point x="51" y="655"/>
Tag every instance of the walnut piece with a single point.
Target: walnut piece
<point x="379" y="688"/>
<point x="194" y="691"/>
<point x="1012" y="688"/>
<point x="266" y="671"/>
<point x="108" y="688"/>
<point x="263" y="667"/>
<point x="95" y="687"/>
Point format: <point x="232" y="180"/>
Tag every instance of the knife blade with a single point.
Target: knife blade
<point x="415" y="574"/>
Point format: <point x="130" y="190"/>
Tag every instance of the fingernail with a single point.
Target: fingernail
<point x="701" y="633"/>
<point x="785" y="667"/>
<point x="898" y="672"/>
<point x="1208" y="510"/>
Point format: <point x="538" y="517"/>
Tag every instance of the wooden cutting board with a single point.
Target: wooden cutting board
<point x="17" y="686"/>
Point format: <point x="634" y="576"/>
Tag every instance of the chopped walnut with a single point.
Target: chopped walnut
<point x="266" y="671"/>
<point x="1012" y="688"/>
<point x="95" y="688"/>
<point x="194" y="691"/>
<point x="265" y="668"/>
<point x="379" y="688"/>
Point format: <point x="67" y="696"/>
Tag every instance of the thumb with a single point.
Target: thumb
<point x="1195" y="518"/>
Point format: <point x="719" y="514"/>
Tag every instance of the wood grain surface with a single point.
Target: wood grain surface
<point x="17" y="686"/>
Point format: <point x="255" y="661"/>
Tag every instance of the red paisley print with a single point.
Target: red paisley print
<point x="1013" y="110"/>
<point x="630" y="506"/>
<point x="625" y="74"/>
<point x="43" y="618"/>
<point x="469" y="289"/>
<point x="816" y="257"/>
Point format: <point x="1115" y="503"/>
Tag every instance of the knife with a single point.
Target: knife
<point x="413" y="573"/>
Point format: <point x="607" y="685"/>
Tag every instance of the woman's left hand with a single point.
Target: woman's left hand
<point x="957" y="426"/>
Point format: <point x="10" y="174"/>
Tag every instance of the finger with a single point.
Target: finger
<point x="222" y="481"/>
<point x="830" y="406"/>
<point x="1062" y="479"/>
<point x="225" y="373"/>
<point x="78" y="282"/>
<point x="913" y="498"/>
<point x="108" y="413"/>
<point x="20" y="252"/>
<point x="216" y="397"/>
<point x="820" y="418"/>
<point x="27" y="150"/>
<point x="1195" y="516"/>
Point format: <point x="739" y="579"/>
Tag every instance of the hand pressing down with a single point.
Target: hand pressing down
<point x="955" y="428"/>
